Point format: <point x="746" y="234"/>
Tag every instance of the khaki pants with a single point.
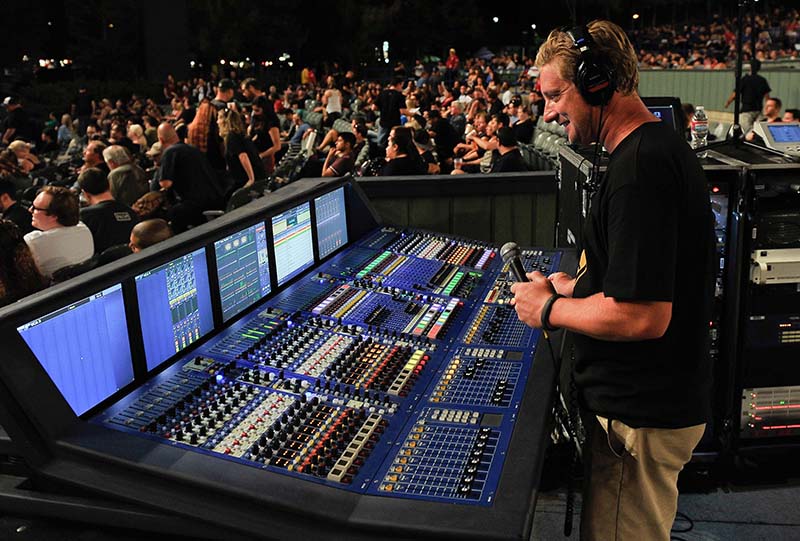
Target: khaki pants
<point x="631" y="489"/>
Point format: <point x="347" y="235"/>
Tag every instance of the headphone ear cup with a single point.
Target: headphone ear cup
<point x="595" y="82"/>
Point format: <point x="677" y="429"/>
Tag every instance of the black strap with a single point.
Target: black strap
<point x="548" y="306"/>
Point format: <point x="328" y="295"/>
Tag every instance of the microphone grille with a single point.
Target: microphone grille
<point x="509" y="250"/>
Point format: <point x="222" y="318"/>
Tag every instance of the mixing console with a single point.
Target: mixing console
<point x="296" y="361"/>
<point x="330" y="371"/>
<point x="434" y="246"/>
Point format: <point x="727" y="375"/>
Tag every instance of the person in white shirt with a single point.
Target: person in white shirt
<point x="61" y="239"/>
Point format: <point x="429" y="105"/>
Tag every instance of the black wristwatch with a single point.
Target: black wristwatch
<point x="546" y="309"/>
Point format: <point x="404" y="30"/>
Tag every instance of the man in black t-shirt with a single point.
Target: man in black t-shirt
<point x="391" y="103"/>
<point x="640" y="303"/>
<point x="186" y="171"/>
<point x="109" y="221"/>
<point x="754" y="90"/>
<point x="509" y="159"/>
<point x="17" y="124"/>
<point x="11" y="210"/>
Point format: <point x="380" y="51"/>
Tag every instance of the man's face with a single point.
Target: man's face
<point x="90" y="156"/>
<point x="247" y="92"/>
<point x="771" y="109"/>
<point x="341" y="145"/>
<point x="563" y="103"/>
<point x="132" y="244"/>
<point x="42" y="219"/>
<point x="789" y="117"/>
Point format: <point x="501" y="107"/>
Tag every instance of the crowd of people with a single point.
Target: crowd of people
<point x="768" y="37"/>
<point x="97" y="180"/>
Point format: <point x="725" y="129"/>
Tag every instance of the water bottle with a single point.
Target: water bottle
<point x="700" y="130"/>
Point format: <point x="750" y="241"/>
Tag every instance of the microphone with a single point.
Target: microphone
<point x="510" y="254"/>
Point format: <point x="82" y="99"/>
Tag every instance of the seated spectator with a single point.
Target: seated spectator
<point x="186" y="171"/>
<point x="48" y="147"/>
<point x="364" y="148"/>
<point x="11" y="210"/>
<point x="128" y="181"/>
<point x="117" y="136"/>
<point x="150" y="129"/>
<point x="136" y="135"/>
<point x="299" y="128"/>
<point x="510" y="159"/>
<point x="109" y="221"/>
<point x="61" y="239"/>
<point x="444" y="137"/>
<point x="457" y="118"/>
<point x="422" y="140"/>
<point x="154" y="173"/>
<point x="524" y="126"/>
<point x="791" y="115"/>
<point x="65" y="132"/>
<point x="340" y="159"/>
<point x="148" y="233"/>
<point x="402" y="157"/>
<point x="772" y="110"/>
<point x="241" y="155"/>
<point x="10" y="170"/>
<point x="93" y="155"/>
<point x="19" y="275"/>
<point x="25" y="158"/>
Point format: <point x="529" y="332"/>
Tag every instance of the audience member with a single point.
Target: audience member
<point x="136" y="135"/>
<point x="11" y="210"/>
<point x="61" y="239"/>
<point x="147" y="233"/>
<point x="772" y="110"/>
<point x="186" y="171"/>
<point x="391" y="104"/>
<point x="524" y="127"/>
<point x="93" y="156"/>
<point x="17" y="123"/>
<point x="109" y="220"/>
<point x="127" y="180"/>
<point x="26" y="160"/>
<point x="118" y="136"/>
<point x="19" y="275"/>
<point x="241" y="156"/>
<point x="225" y="92"/>
<point x="402" y="156"/>
<point x="510" y="159"/>
<point x="264" y="131"/>
<point x="422" y="140"/>
<point x="65" y="132"/>
<point x="340" y="159"/>
<point x="791" y="115"/>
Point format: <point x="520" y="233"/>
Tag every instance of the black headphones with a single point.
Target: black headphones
<point x="594" y="77"/>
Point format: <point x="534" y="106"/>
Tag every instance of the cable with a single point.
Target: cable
<point x="685" y="518"/>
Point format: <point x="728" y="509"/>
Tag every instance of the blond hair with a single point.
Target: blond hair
<point x="610" y="44"/>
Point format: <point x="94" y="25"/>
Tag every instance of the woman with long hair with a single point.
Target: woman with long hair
<point x="264" y="131"/>
<point x="19" y="275"/>
<point x="241" y="156"/>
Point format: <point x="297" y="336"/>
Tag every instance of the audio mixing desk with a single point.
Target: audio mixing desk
<point x="294" y="368"/>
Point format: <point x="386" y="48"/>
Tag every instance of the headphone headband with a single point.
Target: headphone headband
<point x="593" y="77"/>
